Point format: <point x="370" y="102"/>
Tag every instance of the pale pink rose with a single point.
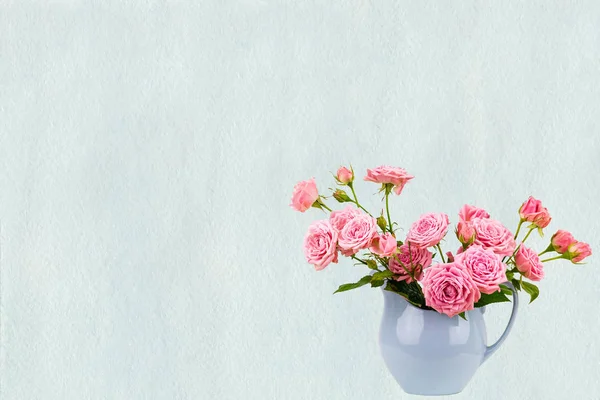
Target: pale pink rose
<point x="561" y="241"/>
<point x="486" y="268"/>
<point x="465" y="232"/>
<point x="491" y="234"/>
<point x="344" y="175"/>
<point x="450" y="289"/>
<point x="320" y="244"/>
<point x="409" y="260"/>
<point x="429" y="230"/>
<point x="340" y="218"/>
<point x="357" y="234"/>
<point x="384" y="245"/>
<point x="468" y="212"/>
<point x="384" y="174"/>
<point x="578" y="251"/>
<point x="533" y="211"/>
<point x="304" y="196"/>
<point x="529" y="264"/>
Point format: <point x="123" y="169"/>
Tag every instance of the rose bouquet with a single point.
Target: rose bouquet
<point x="475" y="275"/>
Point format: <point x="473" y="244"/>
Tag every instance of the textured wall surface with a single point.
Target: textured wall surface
<point x="147" y="157"/>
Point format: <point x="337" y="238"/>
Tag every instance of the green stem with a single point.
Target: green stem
<point x="441" y="253"/>
<point x="387" y="208"/>
<point x="356" y="199"/>
<point x="518" y="229"/>
<point x="517" y="249"/>
<point x="358" y="259"/>
<point x="553" y="258"/>
<point x="325" y="205"/>
<point x="526" y="236"/>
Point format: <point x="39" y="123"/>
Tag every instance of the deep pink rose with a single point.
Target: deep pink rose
<point x="486" y="268"/>
<point x="384" y="245"/>
<point x="468" y="212"/>
<point x="491" y="234"/>
<point x="450" y="289"/>
<point x="344" y="175"/>
<point x="340" y="218"/>
<point x="304" y="196"/>
<point x="320" y="244"/>
<point x="533" y="211"/>
<point x="529" y="264"/>
<point x="357" y="234"/>
<point x="409" y="260"/>
<point x="384" y="174"/>
<point x="429" y="230"/>
<point x="561" y="241"/>
<point x="578" y="251"/>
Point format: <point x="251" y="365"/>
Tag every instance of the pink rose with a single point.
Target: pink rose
<point x="410" y="260"/>
<point x="340" y="218"/>
<point x="529" y="264"/>
<point x="450" y="289"/>
<point x="468" y="212"/>
<point x="533" y="211"/>
<point x="304" y="196"/>
<point x="429" y="230"/>
<point x="561" y="241"/>
<point x="320" y="244"/>
<point x="384" y="174"/>
<point x="344" y="175"/>
<point x="384" y="245"/>
<point x="485" y="267"/>
<point x="357" y="234"/>
<point x="578" y="251"/>
<point x="491" y="234"/>
<point x="465" y="232"/>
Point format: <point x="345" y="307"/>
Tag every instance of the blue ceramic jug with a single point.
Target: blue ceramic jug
<point x="429" y="353"/>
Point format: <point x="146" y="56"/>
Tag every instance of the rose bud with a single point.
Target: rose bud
<point x="344" y="176"/>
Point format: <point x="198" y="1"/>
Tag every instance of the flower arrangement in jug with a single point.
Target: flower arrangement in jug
<point x="477" y="274"/>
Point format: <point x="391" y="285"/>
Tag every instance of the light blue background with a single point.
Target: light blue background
<point x="147" y="157"/>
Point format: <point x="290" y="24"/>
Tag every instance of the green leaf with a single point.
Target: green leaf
<point x="516" y="284"/>
<point x="506" y="290"/>
<point x="349" y="286"/>
<point x="399" y="243"/>
<point x="433" y="256"/>
<point x="510" y="276"/>
<point x="377" y="283"/>
<point x="496" y="297"/>
<point x="377" y="276"/>
<point x="462" y="315"/>
<point x="382" y="223"/>
<point x="410" y="291"/>
<point x="530" y="288"/>
<point x="372" y="264"/>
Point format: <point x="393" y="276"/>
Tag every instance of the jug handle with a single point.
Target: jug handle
<point x="491" y="349"/>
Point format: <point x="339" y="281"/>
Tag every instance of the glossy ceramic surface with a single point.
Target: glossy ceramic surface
<point x="429" y="353"/>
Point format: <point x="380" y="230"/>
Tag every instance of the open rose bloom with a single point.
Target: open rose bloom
<point x="490" y="260"/>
